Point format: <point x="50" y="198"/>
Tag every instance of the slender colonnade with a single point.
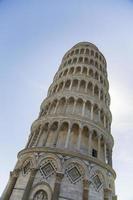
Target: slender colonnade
<point x="69" y="151"/>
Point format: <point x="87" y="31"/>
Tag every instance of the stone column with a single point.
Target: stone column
<point x="70" y="87"/>
<point x="105" y="152"/>
<point x="83" y="109"/>
<point x="91" y="112"/>
<point x="90" y="142"/>
<point x="57" y="185"/>
<point x="99" y="119"/>
<point x="68" y="137"/>
<point x="12" y="181"/>
<point x="86" y="87"/>
<point x="56" y="107"/>
<point x="74" y="106"/>
<point x="104" y="121"/>
<point x="85" y="189"/>
<point x="99" y="146"/>
<point x="79" y="138"/>
<point x="78" y="86"/>
<point x="56" y="136"/>
<point x="39" y="134"/>
<point x="46" y="137"/>
<point x="110" y="157"/>
<point x="29" y="184"/>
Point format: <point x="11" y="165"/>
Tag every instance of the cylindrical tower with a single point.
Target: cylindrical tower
<point x="69" y="152"/>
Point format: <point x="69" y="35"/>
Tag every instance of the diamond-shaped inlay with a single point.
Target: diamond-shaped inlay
<point x="97" y="181"/>
<point x="47" y="169"/>
<point x="74" y="174"/>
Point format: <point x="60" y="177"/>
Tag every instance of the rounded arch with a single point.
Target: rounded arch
<point x="80" y="59"/>
<point x="86" y="60"/>
<point x="96" y="91"/>
<point x="71" y="71"/>
<point x="88" y="109"/>
<point x="65" y="72"/>
<point x="67" y="84"/>
<point x="81" y="51"/>
<point x="75" y="84"/>
<point x="77" y="162"/>
<point x="90" y="88"/>
<point x="91" y="72"/>
<point x="70" y="105"/>
<point x="74" y="136"/>
<point x="50" y="157"/>
<point x="78" y="70"/>
<point x="87" y="51"/>
<point x="75" y="60"/>
<point x="51" y="134"/>
<point x="42" y="189"/>
<point x="62" y="134"/>
<point x="61" y="106"/>
<point x="79" y="106"/>
<point x="84" y="71"/>
<point x="82" y="86"/>
<point x="91" y="61"/>
<point x="84" y="140"/>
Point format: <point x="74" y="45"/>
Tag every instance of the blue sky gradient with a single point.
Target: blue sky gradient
<point x="34" y="35"/>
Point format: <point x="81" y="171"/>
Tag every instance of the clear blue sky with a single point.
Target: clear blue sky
<point x="34" y="35"/>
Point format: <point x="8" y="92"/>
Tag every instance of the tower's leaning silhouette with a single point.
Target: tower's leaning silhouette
<point x="69" y="151"/>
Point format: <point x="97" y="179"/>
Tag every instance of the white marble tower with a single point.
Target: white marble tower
<point x="69" y="152"/>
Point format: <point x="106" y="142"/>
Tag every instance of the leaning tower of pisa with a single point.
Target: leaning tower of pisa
<point x="68" y="155"/>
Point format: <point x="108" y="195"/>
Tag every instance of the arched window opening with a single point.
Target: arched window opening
<point x="84" y="140"/>
<point x="81" y="51"/>
<point x="72" y="53"/>
<point x="96" y="91"/>
<point x="82" y="86"/>
<point x="78" y="70"/>
<point x="91" y="72"/>
<point x="96" y="76"/>
<point x="88" y="109"/>
<point x="96" y="55"/>
<point x="74" y="136"/>
<point x="92" y="62"/>
<point x="96" y="64"/>
<point x="60" y="86"/>
<point x="92" y="53"/>
<point x="86" y="61"/>
<point x="67" y="84"/>
<point x="71" y="70"/>
<point x="51" y="134"/>
<point x="77" y="51"/>
<point x="69" y="61"/>
<point x="87" y="51"/>
<point x="62" y="135"/>
<point x="84" y="71"/>
<point x="74" y="85"/>
<point x="90" y="88"/>
<point x="74" y="60"/>
<point x="65" y="72"/>
<point x="79" y="106"/>
<point x="80" y="59"/>
<point x="70" y="105"/>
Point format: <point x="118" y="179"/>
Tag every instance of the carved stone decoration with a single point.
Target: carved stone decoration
<point x="40" y="195"/>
